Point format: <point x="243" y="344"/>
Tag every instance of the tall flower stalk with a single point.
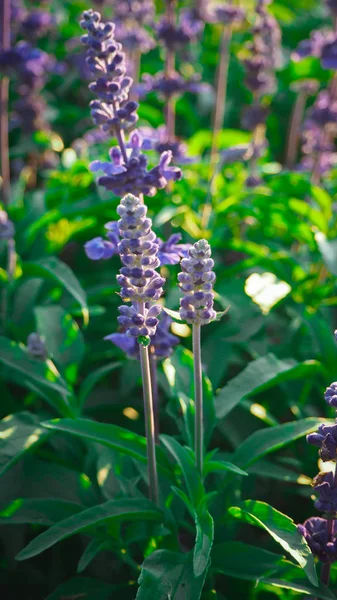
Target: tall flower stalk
<point x="196" y="307"/>
<point x="228" y="16"/>
<point x="4" y="86"/>
<point x="142" y="286"/>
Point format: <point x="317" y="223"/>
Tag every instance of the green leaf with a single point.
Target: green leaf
<point x="19" y="433"/>
<point x="214" y="466"/>
<point x="52" y="268"/>
<point x="190" y="473"/>
<point x="112" y="436"/>
<point x="124" y="509"/>
<point x="265" y="441"/>
<point x="203" y="543"/>
<point x="167" y="574"/>
<point x="92" y="379"/>
<point x="42" y="375"/>
<point x="83" y="588"/>
<point x="261" y="374"/>
<point x="196" y="492"/>
<point x="63" y="338"/>
<point x="37" y="511"/>
<point x="179" y="372"/>
<point x="240" y="560"/>
<point x="281" y="528"/>
<point x="328" y="250"/>
<point x="93" y="548"/>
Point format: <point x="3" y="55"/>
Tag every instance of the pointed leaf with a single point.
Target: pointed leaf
<point x="93" y="378"/>
<point x="259" y="375"/>
<point x="112" y="436"/>
<point x="214" y="466"/>
<point x="93" y="548"/>
<point x="84" y="588"/>
<point x="19" y="433"/>
<point x="37" y="511"/>
<point x="190" y="473"/>
<point x="281" y="528"/>
<point x="267" y="440"/>
<point x="59" y="272"/>
<point x="167" y="574"/>
<point x="240" y="560"/>
<point x="63" y="338"/>
<point x="125" y="509"/>
<point x="42" y="375"/>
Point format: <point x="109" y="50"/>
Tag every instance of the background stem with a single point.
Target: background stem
<point x="149" y="419"/>
<point x="4" y="86"/>
<point x="294" y="129"/>
<point x="198" y="401"/>
<point x="169" y="71"/>
<point x="221" y="90"/>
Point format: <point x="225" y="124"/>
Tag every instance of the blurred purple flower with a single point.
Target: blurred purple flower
<point x="171" y="252"/>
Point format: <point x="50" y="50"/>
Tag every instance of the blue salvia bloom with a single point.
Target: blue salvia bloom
<point x="106" y="62"/>
<point x="331" y="394"/>
<point x="36" y="347"/>
<point x="196" y="282"/>
<point x="326" y="440"/>
<point x="161" y="345"/>
<point x="315" y="532"/>
<point x="7" y="229"/>
<point x="327" y="492"/>
<point x="139" y="280"/>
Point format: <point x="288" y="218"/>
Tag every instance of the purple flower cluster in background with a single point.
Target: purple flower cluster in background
<point x="36" y="347"/>
<point x="264" y="58"/>
<point x="30" y="66"/>
<point x="318" y="133"/>
<point x="131" y="18"/>
<point x="196" y="282"/>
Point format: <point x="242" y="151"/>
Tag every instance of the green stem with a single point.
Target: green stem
<point x="149" y="419"/>
<point x="221" y="91"/>
<point x="199" y="417"/>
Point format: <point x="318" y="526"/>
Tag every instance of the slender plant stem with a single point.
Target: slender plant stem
<point x="221" y="91"/>
<point x="4" y="86"/>
<point x="11" y="265"/>
<point x="169" y="71"/>
<point x="154" y="380"/>
<point x="149" y="419"/>
<point x="199" y="416"/>
<point x="294" y="129"/>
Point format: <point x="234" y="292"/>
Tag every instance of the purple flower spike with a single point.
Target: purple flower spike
<point x="331" y="394"/>
<point x="196" y="282"/>
<point x="326" y="439"/>
<point x="327" y="492"/>
<point x="315" y="532"/>
<point x="97" y="248"/>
